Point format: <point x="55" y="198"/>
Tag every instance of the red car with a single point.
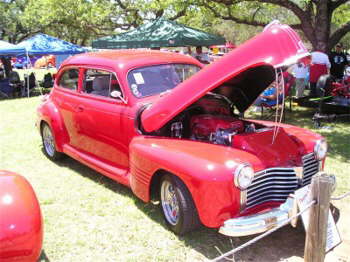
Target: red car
<point x="156" y="123"/>
<point x="21" y="225"/>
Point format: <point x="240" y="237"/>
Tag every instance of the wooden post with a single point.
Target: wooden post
<point x="316" y="235"/>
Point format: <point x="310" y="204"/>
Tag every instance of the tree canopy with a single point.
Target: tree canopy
<point x="322" y="22"/>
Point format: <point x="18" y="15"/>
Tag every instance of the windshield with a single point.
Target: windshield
<point x="152" y="80"/>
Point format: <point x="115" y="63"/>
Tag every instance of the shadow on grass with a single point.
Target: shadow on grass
<point x="280" y="245"/>
<point x="283" y="244"/>
<point x="43" y="257"/>
<point x="93" y="175"/>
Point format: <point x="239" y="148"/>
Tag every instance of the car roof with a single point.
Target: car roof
<point x="129" y="58"/>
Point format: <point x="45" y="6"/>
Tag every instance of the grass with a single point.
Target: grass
<point x="88" y="217"/>
<point x="39" y="72"/>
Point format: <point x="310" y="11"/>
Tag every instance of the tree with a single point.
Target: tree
<point x="11" y="27"/>
<point x="80" y="21"/>
<point x="76" y="21"/>
<point x="131" y="14"/>
<point x="321" y="21"/>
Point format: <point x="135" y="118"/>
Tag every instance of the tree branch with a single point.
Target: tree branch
<point x="238" y="20"/>
<point x="338" y="34"/>
<point x="283" y="3"/>
<point x="231" y="17"/>
<point x="336" y="4"/>
<point x="179" y="14"/>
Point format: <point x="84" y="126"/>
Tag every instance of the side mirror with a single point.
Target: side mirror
<point x="117" y="94"/>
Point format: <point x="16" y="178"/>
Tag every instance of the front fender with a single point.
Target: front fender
<point x="206" y="169"/>
<point x="21" y="223"/>
<point x="305" y="138"/>
<point x="48" y="112"/>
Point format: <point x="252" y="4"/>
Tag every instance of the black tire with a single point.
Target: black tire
<point x="324" y="84"/>
<point x="185" y="219"/>
<point x="49" y="145"/>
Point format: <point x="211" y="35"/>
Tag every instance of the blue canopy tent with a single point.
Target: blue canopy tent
<point x="7" y="49"/>
<point x="42" y="44"/>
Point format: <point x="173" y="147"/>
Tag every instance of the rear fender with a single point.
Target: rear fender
<point x="206" y="170"/>
<point x="48" y="113"/>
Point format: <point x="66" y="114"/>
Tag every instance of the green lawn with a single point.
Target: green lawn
<point x="88" y="217"/>
<point x="39" y="72"/>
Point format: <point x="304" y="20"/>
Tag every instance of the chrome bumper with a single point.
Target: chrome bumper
<point x="254" y="224"/>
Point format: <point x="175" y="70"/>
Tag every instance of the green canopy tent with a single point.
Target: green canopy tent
<point x="159" y="33"/>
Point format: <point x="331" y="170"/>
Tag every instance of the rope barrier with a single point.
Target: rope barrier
<point x="252" y="241"/>
<point x="341" y="197"/>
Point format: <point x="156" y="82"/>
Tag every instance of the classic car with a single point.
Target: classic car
<point x="21" y="226"/>
<point x="156" y="123"/>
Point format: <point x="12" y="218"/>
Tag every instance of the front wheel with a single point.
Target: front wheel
<point x="178" y="208"/>
<point x="49" y="143"/>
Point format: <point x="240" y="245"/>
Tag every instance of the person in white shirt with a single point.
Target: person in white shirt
<point x="300" y="72"/>
<point x="319" y="66"/>
<point x="200" y="56"/>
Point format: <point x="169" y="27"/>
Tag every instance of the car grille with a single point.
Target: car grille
<point x="311" y="167"/>
<point x="275" y="184"/>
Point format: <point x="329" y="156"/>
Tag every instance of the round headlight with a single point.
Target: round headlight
<point x="320" y="149"/>
<point x="244" y="175"/>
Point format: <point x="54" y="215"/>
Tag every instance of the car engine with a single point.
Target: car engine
<point x="210" y="120"/>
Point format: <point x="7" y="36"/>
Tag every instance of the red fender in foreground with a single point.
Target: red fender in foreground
<point x="21" y="224"/>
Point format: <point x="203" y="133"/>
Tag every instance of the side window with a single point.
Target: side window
<point x="100" y="82"/>
<point x="69" y="79"/>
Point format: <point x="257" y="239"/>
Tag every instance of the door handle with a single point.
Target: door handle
<point x="80" y="109"/>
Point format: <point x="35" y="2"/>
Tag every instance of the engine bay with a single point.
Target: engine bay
<point x="211" y="120"/>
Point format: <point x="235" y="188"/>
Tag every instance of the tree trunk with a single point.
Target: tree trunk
<point x="322" y="26"/>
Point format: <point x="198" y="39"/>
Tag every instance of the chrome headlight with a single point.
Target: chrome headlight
<point x="320" y="149"/>
<point x="243" y="176"/>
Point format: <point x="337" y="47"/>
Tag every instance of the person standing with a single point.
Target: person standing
<point x="319" y="66"/>
<point x="200" y="56"/>
<point x="300" y="72"/>
<point x="338" y="61"/>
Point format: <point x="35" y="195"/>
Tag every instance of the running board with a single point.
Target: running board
<point x="117" y="174"/>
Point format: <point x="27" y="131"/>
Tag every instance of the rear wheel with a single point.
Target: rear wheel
<point x="324" y="84"/>
<point x="178" y="208"/>
<point x="49" y="143"/>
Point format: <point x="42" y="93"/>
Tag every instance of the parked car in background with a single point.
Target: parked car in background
<point x="163" y="126"/>
<point x="45" y="61"/>
<point x="21" y="224"/>
<point x="21" y="62"/>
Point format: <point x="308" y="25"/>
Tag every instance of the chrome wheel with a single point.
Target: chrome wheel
<point x="170" y="202"/>
<point x="48" y="140"/>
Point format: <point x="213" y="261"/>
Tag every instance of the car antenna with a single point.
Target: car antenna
<point x="279" y="83"/>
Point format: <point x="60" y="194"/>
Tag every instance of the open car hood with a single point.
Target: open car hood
<point x="248" y="69"/>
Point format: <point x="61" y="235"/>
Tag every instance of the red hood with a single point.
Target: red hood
<point x="249" y="68"/>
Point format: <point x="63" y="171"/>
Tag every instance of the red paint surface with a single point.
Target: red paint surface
<point x="273" y="47"/>
<point x="102" y="132"/>
<point x="21" y="225"/>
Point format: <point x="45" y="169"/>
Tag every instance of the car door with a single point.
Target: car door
<point x="65" y="97"/>
<point x="101" y="120"/>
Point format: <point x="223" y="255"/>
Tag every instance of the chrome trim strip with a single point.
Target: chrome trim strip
<point x="254" y="224"/>
<point x="274" y="187"/>
<point x="243" y="201"/>
<point x="276" y="183"/>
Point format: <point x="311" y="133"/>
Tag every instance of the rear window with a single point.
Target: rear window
<point x="152" y="80"/>
<point x="69" y="79"/>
